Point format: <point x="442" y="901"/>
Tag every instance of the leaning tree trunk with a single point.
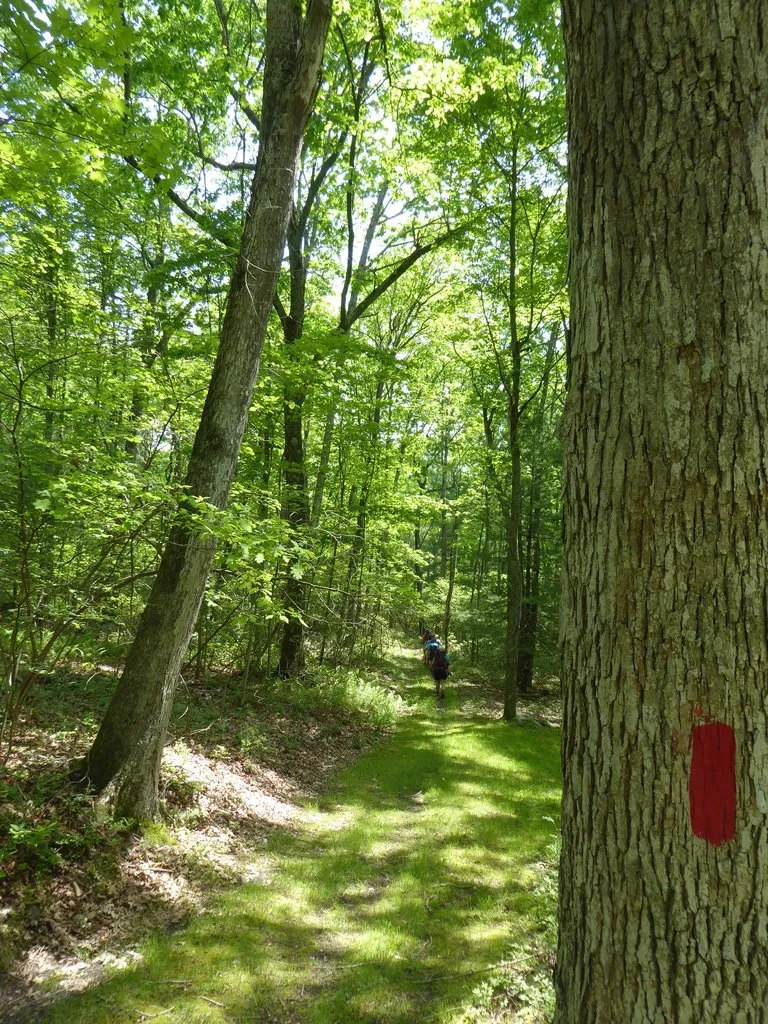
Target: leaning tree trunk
<point x="664" y="632"/>
<point x="128" y="748"/>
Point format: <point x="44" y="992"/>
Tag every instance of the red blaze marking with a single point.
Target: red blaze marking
<point x="712" y="788"/>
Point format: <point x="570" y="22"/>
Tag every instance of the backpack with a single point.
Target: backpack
<point x="440" y="659"/>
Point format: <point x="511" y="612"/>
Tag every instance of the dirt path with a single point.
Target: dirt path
<point x="385" y="903"/>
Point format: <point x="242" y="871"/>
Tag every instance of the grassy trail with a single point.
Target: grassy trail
<point x="414" y="870"/>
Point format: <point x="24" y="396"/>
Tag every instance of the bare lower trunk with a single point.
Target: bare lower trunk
<point x="451" y="584"/>
<point x="417" y="567"/>
<point x="529" y="624"/>
<point x="128" y="748"/>
<point x="322" y="472"/>
<point x="514" y="595"/>
<point x="295" y="512"/>
<point x="664" y="628"/>
<point x="529" y="613"/>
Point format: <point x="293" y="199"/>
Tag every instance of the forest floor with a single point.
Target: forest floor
<point x="416" y="883"/>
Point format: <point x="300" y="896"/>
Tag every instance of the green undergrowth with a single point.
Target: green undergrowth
<point x="52" y="835"/>
<point x="519" y="989"/>
<point x="406" y="893"/>
<point x="353" y="692"/>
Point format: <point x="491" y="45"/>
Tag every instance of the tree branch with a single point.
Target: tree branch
<point x="201" y="219"/>
<point x="280" y="310"/>
<point x="234" y="92"/>
<point x="398" y="271"/>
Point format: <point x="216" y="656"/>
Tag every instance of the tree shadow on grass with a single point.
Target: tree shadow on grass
<point x="414" y="871"/>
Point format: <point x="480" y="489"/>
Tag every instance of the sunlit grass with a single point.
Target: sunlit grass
<point x="415" y="869"/>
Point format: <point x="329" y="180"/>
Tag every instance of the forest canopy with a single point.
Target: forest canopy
<point x="296" y="366"/>
<point x="399" y="462"/>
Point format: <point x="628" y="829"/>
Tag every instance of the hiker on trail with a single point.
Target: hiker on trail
<point x="431" y="645"/>
<point x="440" y="670"/>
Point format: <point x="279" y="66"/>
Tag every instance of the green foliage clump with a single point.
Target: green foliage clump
<point x="350" y="693"/>
<point x="34" y="843"/>
<point x="35" y="848"/>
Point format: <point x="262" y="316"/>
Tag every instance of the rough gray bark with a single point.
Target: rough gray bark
<point x="664" y="613"/>
<point x="128" y="748"/>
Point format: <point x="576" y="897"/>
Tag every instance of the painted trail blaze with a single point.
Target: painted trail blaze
<point x="712" y="789"/>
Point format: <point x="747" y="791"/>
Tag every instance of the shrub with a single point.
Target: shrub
<point x="346" y="692"/>
<point x="35" y="848"/>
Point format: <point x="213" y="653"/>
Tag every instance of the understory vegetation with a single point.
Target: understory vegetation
<point x="56" y="841"/>
<point x="363" y="850"/>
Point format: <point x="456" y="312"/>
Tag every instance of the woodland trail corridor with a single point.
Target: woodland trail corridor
<point x="414" y="869"/>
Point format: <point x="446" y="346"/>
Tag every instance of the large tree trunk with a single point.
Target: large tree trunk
<point x="664" y="635"/>
<point x="128" y="748"/>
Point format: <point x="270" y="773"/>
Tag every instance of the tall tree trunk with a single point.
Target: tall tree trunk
<point x="529" y="613"/>
<point x="444" y="453"/>
<point x="508" y="486"/>
<point x="294" y="511"/>
<point x="51" y="286"/>
<point x="294" y="508"/>
<point x="664" y="629"/>
<point x="513" y="512"/>
<point x="513" y="586"/>
<point x="451" y="581"/>
<point x="128" y="748"/>
<point x="322" y="472"/>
